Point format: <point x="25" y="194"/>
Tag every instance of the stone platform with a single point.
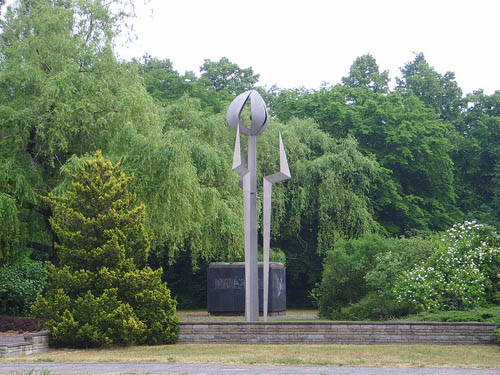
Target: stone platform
<point x="15" y="345"/>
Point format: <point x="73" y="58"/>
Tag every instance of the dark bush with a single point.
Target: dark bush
<point x="11" y="323"/>
<point x="19" y="285"/>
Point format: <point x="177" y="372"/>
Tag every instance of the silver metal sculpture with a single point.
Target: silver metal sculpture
<point x="248" y="181"/>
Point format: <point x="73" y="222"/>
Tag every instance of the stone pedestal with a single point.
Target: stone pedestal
<point x="226" y="288"/>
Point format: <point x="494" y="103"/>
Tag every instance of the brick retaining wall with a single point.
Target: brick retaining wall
<point x="337" y="333"/>
<point x="33" y="343"/>
<point x="304" y="333"/>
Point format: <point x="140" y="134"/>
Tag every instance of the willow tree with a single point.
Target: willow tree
<point x="183" y="174"/>
<point x="325" y="200"/>
<point x="62" y="93"/>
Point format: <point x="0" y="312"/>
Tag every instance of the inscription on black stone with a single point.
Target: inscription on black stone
<point x="226" y="288"/>
<point x="236" y="283"/>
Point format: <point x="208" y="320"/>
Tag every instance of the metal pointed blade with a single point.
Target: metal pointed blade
<point x="284" y="173"/>
<point x="238" y="160"/>
<point x="283" y="160"/>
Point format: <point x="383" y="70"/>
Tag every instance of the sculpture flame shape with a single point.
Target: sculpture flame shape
<point x="258" y="111"/>
<point x="248" y="181"/>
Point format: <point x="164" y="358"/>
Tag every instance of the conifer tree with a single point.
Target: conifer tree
<point x="101" y="293"/>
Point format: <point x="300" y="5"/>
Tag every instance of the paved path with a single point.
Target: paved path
<point x="172" y="368"/>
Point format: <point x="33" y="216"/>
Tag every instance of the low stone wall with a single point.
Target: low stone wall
<point x="33" y="343"/>
<point x="337" y="333"/>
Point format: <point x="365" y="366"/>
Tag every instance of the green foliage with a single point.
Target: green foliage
<point x="325" y="200"/>
<point x="415" y="188"/>
<point x="489" y="313"/>
<point x="359" y="276"/>
<point x="95" y="321"/>
<point x="328" y="193"/>
<point x="225" y="75"/>
<point x="61" y="81"/>
<point x="19" y="285"/>
<point x="16" y="192"/>
<point x="95" y="222"/>
<point x="101" y="294"/>
<point x="344" y="271"/>
<point x="161" y="80"/>
<point x="62" y="92"/>
<point x="477" y="157"/>
<point x="404" y="253"/>
<point x="437" y="91"/>
<point x="183" y="174"/>
<point x="373" y="307"/>
<point x="364" y="72"/>
<point x="460" y="274"/>
<point x="11" y="236"/>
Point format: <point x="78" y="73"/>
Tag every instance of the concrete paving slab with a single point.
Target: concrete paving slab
<point x="174" y="368"/>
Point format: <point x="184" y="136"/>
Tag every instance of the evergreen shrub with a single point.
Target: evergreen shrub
<point x="101" y="293"/>
<point x="20" y="282"/>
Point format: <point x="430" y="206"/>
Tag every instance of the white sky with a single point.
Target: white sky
<point x="303" y="43"/>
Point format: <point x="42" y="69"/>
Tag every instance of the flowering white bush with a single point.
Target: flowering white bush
<point x="458" y="274"/>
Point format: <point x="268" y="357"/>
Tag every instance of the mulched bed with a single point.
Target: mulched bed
<point x="20" y="325"/>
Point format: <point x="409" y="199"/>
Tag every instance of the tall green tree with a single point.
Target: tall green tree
<point x="364" y="73"/>
<point x="162" y="81"/>
<point x="167" y="85"/>
<point x="62" y="92"/>
<point x="184" y="175"/>
<point x="415" y="189"/>
<point x="101" y="293"/>
<point x="438" y="91"/>
<point x="326" y="199"/>
<point x="225" y="75"/>
<point x="478" y="157"/>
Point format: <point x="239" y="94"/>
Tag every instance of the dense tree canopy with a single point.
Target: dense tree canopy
<point x="225" y="75"/>
<point x="62" y="93"/>
<point x="437" y="91"/>
<point x="365" y="73"/>
<point x="409" y="140"/>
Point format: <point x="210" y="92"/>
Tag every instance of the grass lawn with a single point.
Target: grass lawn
<point x="479" y="356"/>
<point x="202" y="315"/>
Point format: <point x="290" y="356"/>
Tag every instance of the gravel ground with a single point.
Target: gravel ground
<point x="172" y="368"/>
